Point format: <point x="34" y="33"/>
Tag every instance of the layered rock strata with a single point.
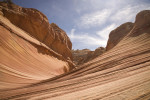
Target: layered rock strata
<point x="29" y="51"/>
<point x="123" y="72"/>
<point x="118" y="34"/>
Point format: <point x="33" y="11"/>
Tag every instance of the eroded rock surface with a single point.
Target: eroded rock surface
<point x="118" y="34"/>
<point x="31" y="49"/>
<point x="85" y="55"/>
<point x="37" y="25"/>
<point x="121" y="73"/>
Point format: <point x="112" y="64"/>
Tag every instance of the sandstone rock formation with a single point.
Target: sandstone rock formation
<point x="79" y="55"/>
<point x="121" y="73"/>
<point x="85" y="55"/>
<point x="28" y="54"/>
<point x="118" y="34"/>
<point x="37" y="25"/>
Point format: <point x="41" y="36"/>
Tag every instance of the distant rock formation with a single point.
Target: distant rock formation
<point x="37" y="25"/>
<point x="85" y="55"/>
<point x="79" y="55"/>
<point x="31" y="49"/>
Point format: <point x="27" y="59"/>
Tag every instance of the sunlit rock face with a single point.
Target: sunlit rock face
<point x="31" y="49"/>
<point x="121" y="73"/>
<point x="37" y="25"/>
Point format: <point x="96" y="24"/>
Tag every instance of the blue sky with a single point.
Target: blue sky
<point x="88" y="22"/>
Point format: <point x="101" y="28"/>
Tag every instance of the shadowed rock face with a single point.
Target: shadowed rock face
<point x="120" y="73"/>
<point x="37" y="25"/>
<point x="85" y="55"/>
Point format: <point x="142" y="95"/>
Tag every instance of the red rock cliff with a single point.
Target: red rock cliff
<point x="37" y="25"/>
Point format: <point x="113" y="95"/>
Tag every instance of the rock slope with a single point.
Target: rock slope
<point x="85" y="55"/>
<point x="24" y="57"/>
<point x="122" y="73"/>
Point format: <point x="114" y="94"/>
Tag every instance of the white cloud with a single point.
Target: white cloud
<point x="72" y="31"/>
<point x="128" y="13"/>
<point x="125" y="14"/>
<point x="94" y="19"/>
<point x="104" y="34"/>
<point x="86" y="39"/>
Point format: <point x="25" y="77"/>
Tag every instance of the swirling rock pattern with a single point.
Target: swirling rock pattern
<point x="24" y="59"/>
<point x="121" y="73"/>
